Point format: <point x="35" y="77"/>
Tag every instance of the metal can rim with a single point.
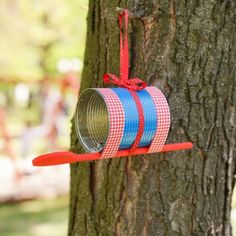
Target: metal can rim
<point x="86" y="147"/>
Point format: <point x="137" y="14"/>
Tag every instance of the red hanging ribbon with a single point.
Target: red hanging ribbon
<point x="133" y="84"/>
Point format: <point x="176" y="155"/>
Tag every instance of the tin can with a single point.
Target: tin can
<point x="93" y="123"/>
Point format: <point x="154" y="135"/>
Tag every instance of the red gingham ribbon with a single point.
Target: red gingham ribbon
<point x="116" y="122"/>
<point x="163" y="119"/>
<point x="133" y="84"/>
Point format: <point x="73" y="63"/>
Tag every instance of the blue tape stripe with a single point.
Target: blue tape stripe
<point x="150" y="118"/>
<point x="131" y="117"/>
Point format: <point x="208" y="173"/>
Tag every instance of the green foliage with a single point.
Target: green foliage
<point x="35" y="218"/>
<point x="34" y="35"/>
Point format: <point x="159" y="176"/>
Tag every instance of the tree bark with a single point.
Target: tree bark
<point x="188" y="50"/>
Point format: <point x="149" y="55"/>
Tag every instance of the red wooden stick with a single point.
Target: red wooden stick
<point x="57" y="158"/>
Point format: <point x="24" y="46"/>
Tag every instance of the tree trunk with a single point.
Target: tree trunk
<point x="187" y="49"/>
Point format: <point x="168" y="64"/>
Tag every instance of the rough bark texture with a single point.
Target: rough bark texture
<point x="186" y="48"/>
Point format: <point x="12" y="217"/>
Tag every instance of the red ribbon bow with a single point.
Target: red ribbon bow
<point x="133" y="84"/>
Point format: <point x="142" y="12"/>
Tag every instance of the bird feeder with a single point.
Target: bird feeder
<point x="129" y="120"/>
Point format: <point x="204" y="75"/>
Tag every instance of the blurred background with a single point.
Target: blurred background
<point x="41" y="58"/>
